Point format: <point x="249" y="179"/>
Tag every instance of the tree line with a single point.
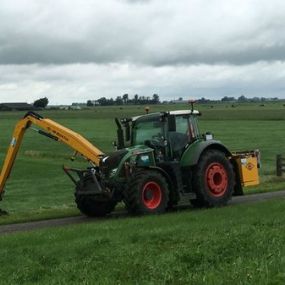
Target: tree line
<point x="154" y="99"/>
<point x="242" y="99"/>
<point x="125" y="100"/>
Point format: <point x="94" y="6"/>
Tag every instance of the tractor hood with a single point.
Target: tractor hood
<point x="115" y="162"/>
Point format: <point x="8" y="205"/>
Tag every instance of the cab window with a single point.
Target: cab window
<point x="182" y="124"/>
<point x="146" y="130"/>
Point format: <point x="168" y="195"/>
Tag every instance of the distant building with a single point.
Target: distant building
<point x="16" y="107"/>
<point x="75" y="107"/>
<point x="79" y="104"/>
<point x="63" y="107"/>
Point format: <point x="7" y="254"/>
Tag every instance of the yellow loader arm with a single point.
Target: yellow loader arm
<point x="52" y="130"/>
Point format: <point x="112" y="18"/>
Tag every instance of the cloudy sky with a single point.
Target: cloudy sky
<point x="72" y="51"/>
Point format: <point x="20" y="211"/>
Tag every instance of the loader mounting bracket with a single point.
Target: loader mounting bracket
<point x="68" y="171"/>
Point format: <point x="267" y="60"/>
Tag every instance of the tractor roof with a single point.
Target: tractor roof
<point x="175" y="113"/>
<point x="184" y="112"/>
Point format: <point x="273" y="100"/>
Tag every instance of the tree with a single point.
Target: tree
<point x="41" y="103"/>
<point x="111" y="102"/>
<point x="228" y="99"/>
<point x="125" y="98"/>
<point x="102" y="101"/>
<point x="203" y="100"/>
<point x="136" y="99"/>
<point x="90" y="103"/>
<point x="242" y="98"/>
<point x="119" y="100"/>
<point x="155" y="99"/>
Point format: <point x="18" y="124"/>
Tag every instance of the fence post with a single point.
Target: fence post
<point x="279" y="165"/>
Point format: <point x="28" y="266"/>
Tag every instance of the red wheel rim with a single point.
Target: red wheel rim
<point x="217" y="179"/>
<point x="151" y="195"/>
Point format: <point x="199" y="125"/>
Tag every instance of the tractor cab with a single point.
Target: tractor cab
<point x="168" y="133"/>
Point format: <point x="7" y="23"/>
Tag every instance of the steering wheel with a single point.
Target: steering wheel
<point x="156" y="141"/>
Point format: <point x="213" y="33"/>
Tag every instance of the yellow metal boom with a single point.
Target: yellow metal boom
<point x="52" y="130"/>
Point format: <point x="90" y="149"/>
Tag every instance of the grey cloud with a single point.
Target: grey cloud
<point x="183" y="48"/>
<point x="157" y="34"/>
<point x="137" y="1"/>
<point x="71" y="52"/>
<point x="235" y="57"/>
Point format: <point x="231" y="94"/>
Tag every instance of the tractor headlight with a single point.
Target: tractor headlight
<point x="143" y="160"/>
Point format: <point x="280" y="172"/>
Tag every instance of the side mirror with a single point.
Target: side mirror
<point x="128" y="131"/>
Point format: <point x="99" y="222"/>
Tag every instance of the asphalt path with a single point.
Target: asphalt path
<point x="6" y="229"/>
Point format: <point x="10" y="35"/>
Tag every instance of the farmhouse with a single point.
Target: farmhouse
<point x="16" y="107"/>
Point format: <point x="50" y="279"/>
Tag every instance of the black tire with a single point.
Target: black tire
<point x="213" y="180"/>
<point x="147" y="193"/>
<point x="93" y="205"/>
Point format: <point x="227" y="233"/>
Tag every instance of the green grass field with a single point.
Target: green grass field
<point x="242" y="244"/>
<point x="38" y="187"/>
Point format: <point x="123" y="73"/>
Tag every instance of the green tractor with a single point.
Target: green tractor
<point x="162" y="160"/>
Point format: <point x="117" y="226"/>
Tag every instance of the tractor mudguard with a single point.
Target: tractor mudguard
<point x="162" y="172"/>
<point x="191" y="155"/>
<point x="174" y="190"/>
<point x="173" y="186"/>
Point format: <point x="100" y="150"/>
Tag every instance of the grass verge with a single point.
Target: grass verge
<point x="243" y="244"/>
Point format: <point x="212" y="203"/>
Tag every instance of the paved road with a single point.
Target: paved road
<point x="121" y="214"/>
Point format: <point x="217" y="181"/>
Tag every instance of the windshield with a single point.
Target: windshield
<point x="147" y="130"/>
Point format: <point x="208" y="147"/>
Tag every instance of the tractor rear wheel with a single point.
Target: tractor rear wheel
<point x="213" y="180"/>
<point x="93" y="205"/>
<point x="147" y="193"/>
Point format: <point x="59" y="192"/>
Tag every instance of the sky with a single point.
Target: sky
<point x="73" y="51"/>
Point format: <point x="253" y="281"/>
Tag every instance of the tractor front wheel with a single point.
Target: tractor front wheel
<point x="147" y="193"/>
<point x="213" y="180"/>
